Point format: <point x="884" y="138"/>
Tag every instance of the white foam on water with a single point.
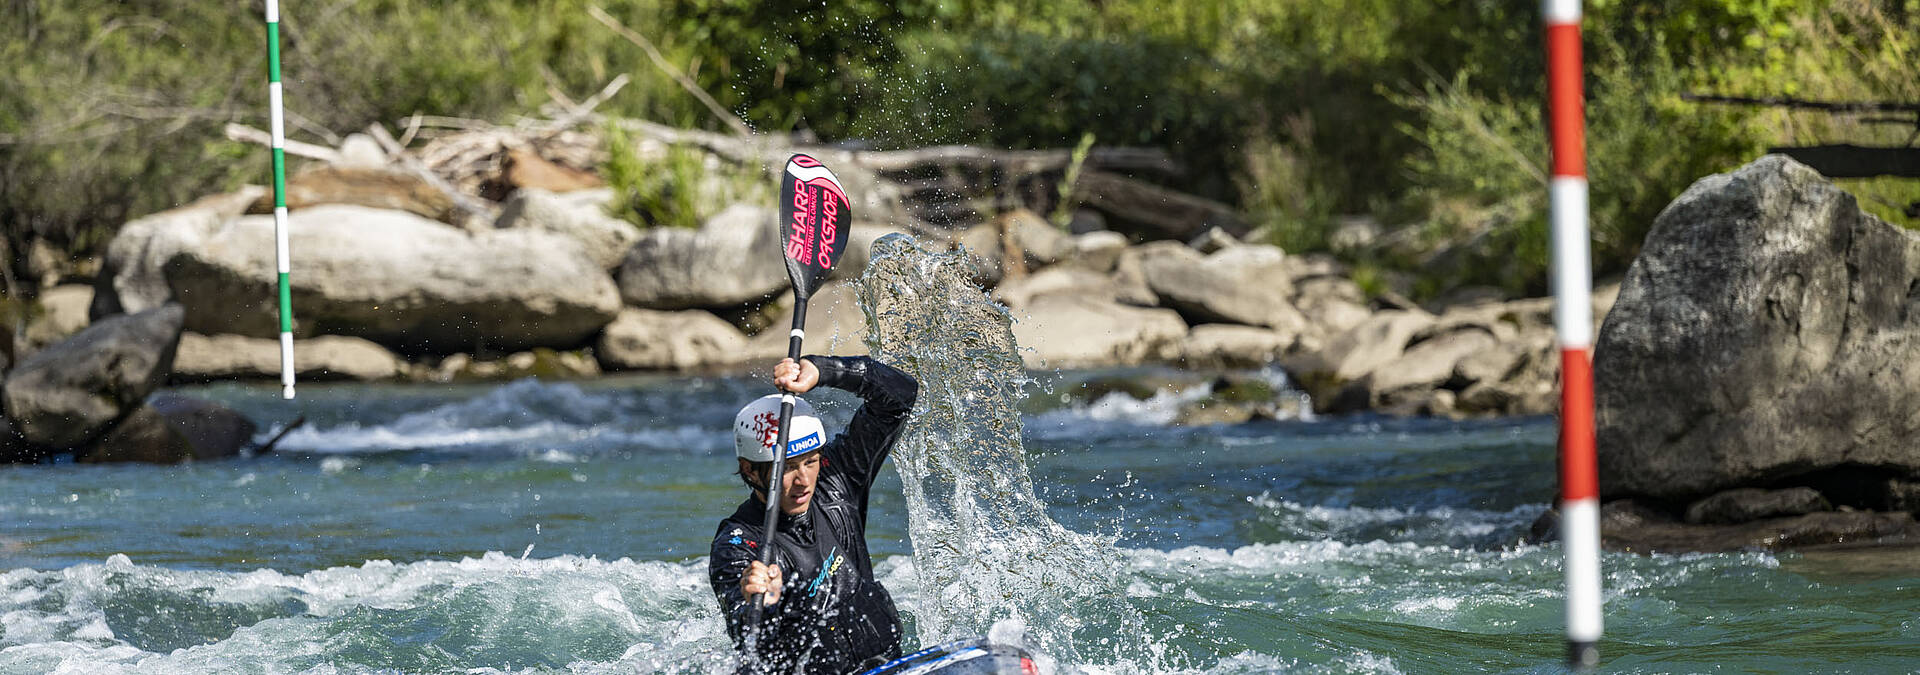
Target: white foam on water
<point x="487" y="612"/>
<point x="521" y="413"/>
<point x="1440" y="524"/>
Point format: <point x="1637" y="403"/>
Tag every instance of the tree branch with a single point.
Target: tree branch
<point x="739" y="127"/>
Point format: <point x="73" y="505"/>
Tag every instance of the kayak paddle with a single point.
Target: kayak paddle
<point x="814" y="217"/>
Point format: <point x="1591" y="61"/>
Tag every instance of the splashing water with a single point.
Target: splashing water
<point x="984" y="548"/>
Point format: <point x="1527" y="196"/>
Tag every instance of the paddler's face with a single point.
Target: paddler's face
<point x="796" y="482"/>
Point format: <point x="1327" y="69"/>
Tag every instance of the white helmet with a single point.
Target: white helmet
<point x="756" y="428"/>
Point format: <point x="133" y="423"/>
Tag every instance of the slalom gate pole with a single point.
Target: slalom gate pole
<point x="1573" y="321"/>
<point x="280" y="198"/>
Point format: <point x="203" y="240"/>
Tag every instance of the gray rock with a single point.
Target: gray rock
<point x="14" y="448"/>
<point x="324" y="357"/>
<point x="170" y="429"/>
<point x="1221" y="345"/>
<point x="1765" y="331"/>
<point x="1247" y="285"/>
<point x="986" y="256"/>
<point x="1749" y="504"/>
<point x="644" y="339"/>
<point x="63" y="312"/>
<point x="68" y="393"/>
<point x="1628" y="526"/>
<point x="406" y="282"/>
<point x="733" y="259"/>
<point x="835" y="325"/>
<point x="859" y="250"/>
<point x="1096" y="251"/>
<point x="133" y="274"/>
<point x="1069" y="331"/>
<point x="145" y="435"/>
<point x="537" y="363"/>
<point x="1213" y="240"/>
<point x="1130" y="281"/>
<point x="1429" y="363"/>
<point x="580" y="215"/>
<point x="1039" y="241"/>
<point x="1019" y="292"/>
<point x="1375" y="342"/>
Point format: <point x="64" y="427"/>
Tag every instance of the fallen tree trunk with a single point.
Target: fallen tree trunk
<point x="1856" y="161"/>
<point x="1169" y="212"/>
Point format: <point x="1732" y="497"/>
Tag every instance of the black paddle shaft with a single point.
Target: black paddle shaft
<point x="814" y="218"/>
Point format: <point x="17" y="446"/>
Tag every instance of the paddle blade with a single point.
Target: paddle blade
<point x="814" y="222"/>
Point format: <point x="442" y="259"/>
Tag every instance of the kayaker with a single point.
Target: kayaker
<point x="825" y="612"/>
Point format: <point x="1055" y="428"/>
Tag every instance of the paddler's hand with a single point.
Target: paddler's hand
<point x="761" y="578"/>
<point x="798" y="378"/>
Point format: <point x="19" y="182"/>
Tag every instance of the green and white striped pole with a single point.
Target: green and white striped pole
<point x="280" y="198"/>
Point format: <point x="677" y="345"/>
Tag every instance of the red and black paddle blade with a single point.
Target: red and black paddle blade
<point x="814" y="222"/>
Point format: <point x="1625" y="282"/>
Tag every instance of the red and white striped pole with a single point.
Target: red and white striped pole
<point x="1573" y="319"/>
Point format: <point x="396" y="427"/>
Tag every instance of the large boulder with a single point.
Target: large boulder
<point x="1247" y="285"/>
<point x="325" y="357"/>
<point x="732" y="260"/>
<point x="645" y="339"/>
<point x="1019" y="292"/>
<point x="170" y="429"/>
<point x="860" y="240"/>
<point x="133" y="273"/>
<point x="1766" y="331"/>
<point x="403" y="281"/>
<point x="580" y="215"/>
<point x="835" y="325"/>
<point x="66" y="394"/>
<point x="1225" y="345"/>
<point x="1071" y="331"/>
<point x="62" y="312"/>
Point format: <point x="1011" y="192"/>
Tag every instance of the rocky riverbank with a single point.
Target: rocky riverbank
<point x="405" y="273"/>
<point x="1751" y="385"/>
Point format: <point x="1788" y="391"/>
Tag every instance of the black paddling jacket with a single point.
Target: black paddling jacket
<point x="833" y="616"/>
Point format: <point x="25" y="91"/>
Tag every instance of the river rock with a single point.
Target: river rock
<point x="645" y="339"/>
<point x="580" y="215"/>
<point x="1130" y="281"/>
<point x="403" y="281"/>
<point x="1070" y="331"/>
<point x="1019" y="292"/>
<point x="1765" y="331"/>
<point x="859" y="250"/>
<point x="1096" y="251"/>
<point x="537" y="363"/>
<point x="325" y="357"/>
<point x="1428" y="363"/>
<point x="66" y="394"/>
<point x="378" y="188"/>
<point x="1039" y="241"/>
<point x="14" y="448"/>
<point x="732" y="260"/>
<point x="1626" y="525"/>
<point x="835" y="325"/>
<point x="1375" y="342"/>
<point x="1749" y="504"/>
<point x="63" y="312"/>
<point x="986" y="256"/>
<point x="1244" y="284"/>
<point x="1224" y="346"/>
<point x="133" y="275"/>
<point x="170" y="429"/>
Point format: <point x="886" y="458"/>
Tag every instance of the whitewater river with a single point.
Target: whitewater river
<point x="563" y="527"/>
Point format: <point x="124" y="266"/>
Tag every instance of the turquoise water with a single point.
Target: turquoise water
<point x="562" y="527"/>
<point x="556" y="527"/>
